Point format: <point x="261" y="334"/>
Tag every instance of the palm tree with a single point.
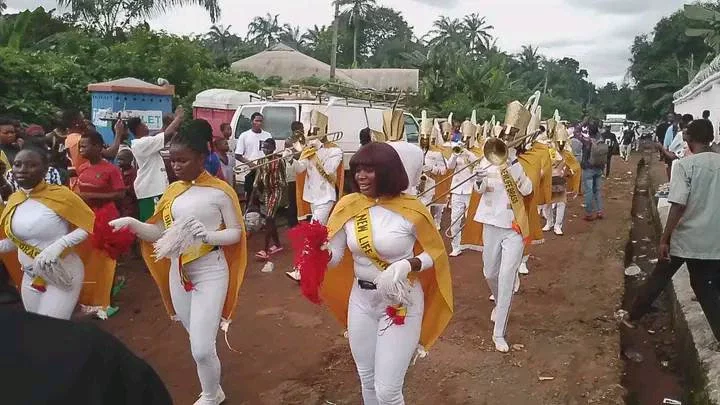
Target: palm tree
<point x="219" y="35"/>
<point x="108" y="16"/>
<point x="291" y="36"/>
<point x="446" y="33"/>
<point x="312" y="36"/>
<point x="709" y="18"/>
<point x="356" y="11"/>
<point x="529" y="58"/>
<point x="265" y="30"/>
<point x="476" y="30"/>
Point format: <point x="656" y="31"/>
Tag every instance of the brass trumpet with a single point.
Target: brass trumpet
<point x="495" y="151"/>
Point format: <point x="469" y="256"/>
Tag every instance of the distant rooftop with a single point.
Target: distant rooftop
<point x="132" y="85"/>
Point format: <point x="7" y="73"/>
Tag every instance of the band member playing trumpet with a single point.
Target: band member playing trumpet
<point x="502" y="182"/>
<point x="461" y="188"/>
<point x="320" y="175"/>
<point x="434" y="170"/>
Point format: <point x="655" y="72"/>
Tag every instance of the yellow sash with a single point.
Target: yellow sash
<point x="4" y="159"/>
<point x="303" y="207"/>
<point x="194" y="252"/>
<point x="235" y="255"/>
<point x="38" y="282"/>
<point x="436" y="281"/>
<point x="99" y="268"/>
<point x="318" y="165"/>
<point x="516" y="201"/>
<point x="363" y="233"/>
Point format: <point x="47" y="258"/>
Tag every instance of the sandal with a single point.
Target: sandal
<point x="274" y="249"/>
<point x="262" y="255"/>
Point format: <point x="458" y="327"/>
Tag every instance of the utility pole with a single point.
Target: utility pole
<point x="333" y="55"/>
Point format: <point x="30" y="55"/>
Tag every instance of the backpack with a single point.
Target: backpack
<point x="599" y="152"/>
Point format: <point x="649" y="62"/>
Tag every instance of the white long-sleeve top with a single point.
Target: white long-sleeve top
<point x="457" y="162"/>
<point x="435" y="161"/>
<point x="317" y="189"/>
<point x="39" y="226"/>
<point x="211" y="206"/>
<point x="393" y="237"/>
<point x="412" y="159"/>
<point x="495" y="208"/>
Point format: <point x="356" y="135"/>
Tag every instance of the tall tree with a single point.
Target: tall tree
<point x="265" y="30"/>
<point x="476" y="30"/>
<point x="109" y="16"/>
<point x="292" y="36"/>
<point x="356" y="11"/>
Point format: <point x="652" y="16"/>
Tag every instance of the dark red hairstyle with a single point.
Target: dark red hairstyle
<point x="390" y="175"/>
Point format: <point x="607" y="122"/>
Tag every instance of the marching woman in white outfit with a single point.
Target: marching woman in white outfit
<point x="389" y="279"/>
<point x="45" y="223"/>
<point x="200" y="285"/>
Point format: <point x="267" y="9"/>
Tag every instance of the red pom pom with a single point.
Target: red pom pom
<point x="104" y="238"/>
<point x="311" y="260"/>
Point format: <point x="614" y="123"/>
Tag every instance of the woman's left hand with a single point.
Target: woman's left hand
<point x="198" y="230"/>
<point x="400" y="270"/>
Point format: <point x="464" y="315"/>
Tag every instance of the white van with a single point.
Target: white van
<point x="350" y="118"/>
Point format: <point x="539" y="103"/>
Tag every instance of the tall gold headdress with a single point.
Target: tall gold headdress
<point x="318" y="123"/>
<point x="469" y="132"/>
<point x="447" y="128"/>
<point x="426" y="132"/>
<point x="516" y="117"/>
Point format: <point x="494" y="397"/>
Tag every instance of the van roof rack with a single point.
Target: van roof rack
<point x="337" y="91"/>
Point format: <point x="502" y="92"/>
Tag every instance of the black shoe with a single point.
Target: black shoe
<point x="8" y="296"/>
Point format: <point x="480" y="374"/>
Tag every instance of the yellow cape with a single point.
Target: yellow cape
<point x="537" y="166"/>
<point x="99" y="268"/>
<point x="303" y="207"/>
<point x="575" y="178"/>
<point x="236" y="255"/>
<point x="436" y="282"/>
<point x="443" y="189"/>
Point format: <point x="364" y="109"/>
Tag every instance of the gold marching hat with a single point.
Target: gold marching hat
<point x="469" y="132"/>
<point x="437" y="132"/>
<point x="318" y="123"/>
<point x="535" y="119"/>
<point x="393" y="125"/>
<point x="561" y="134"/>
<point x="426" y="124"/>
<point x="447" y="128"/>
<point x="518" y="117"/>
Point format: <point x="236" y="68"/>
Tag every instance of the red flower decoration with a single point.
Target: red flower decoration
<point x="396" y="313"/>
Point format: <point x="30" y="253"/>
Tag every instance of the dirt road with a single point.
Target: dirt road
<point x="292" y="352"/>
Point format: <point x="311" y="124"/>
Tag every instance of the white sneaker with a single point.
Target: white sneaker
<point x="216" y="399"/>
<point x="516" y="287"/>
<point x="268" y="267"/>
<point x="491" y="298"/>
<point x="501" y="344"/>
<point x="492" y="316"/>
<point x="523" y="268"/>
<point x="295" y="275"/>
<point x="558" y="231"/>
<point x="547" y="227"/>
<point x="455" y="252"/>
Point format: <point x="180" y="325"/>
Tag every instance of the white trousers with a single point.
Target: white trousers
<point x="321" y="212"/>
<point x="437" y="211"/>
<point x="625" y="151"/>
<point x="458" y="208"/>
<point x="55" y="302"/>
<point x="200" y="311"/>
<point x="555" y="214"/>
<point x="382" y="351"/>
<point x="502" y="255"/>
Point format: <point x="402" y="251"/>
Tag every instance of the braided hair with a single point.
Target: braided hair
<point x="196" y="136"/>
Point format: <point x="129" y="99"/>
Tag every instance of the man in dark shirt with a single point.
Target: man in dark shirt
<point x="661" y="129"/>
<point x="611" y="139"/>
<point x="628" y="138"/>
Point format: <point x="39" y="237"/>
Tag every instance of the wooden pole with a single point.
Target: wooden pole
<point x="333" y="55"/>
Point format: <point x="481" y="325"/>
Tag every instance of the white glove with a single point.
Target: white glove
<point x="480" y="173"/>
<point x="197" y="229"/>
<point x="315" y="143"/>
<point x="124" y="222"/>
<point x="512" y="154"/>
<point x="393" y="283"/>
<point x="287" y="153"/>
<point x="427" y="168"/>
<point x="51" y="254"/>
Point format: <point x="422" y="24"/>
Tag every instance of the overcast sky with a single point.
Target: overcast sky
<point x="598" y="33"/>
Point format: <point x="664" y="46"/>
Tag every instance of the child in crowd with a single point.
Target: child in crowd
<point x="269" y="191"/>
<point x="128" y="204"/>
<point x="99" y="183"/>
<point x="227" y="160"/>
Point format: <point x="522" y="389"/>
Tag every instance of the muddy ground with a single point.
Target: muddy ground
<point x="293" y="352"/>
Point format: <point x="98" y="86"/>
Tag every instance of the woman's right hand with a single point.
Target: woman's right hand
<point x="124" y="222"/>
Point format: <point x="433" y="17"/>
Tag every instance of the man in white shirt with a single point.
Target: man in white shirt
<point x="249" y="148"/>
<point x="461" y="186"/>
<point x="152" y="178"/>
<point x="410" y="154"/>
<point x="434" y="169"/>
